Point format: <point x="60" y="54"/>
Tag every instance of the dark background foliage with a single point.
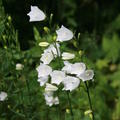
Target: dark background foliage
<point x="81" y="15"/>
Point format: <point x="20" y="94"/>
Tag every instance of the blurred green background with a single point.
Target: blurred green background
<point x="98" y="23"/>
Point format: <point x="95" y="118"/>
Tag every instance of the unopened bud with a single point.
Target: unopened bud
<point x="9" y="18"/>
<point x="46" y="29"/>
<point x="43" y="44"/>
<point x="19" y="66"/>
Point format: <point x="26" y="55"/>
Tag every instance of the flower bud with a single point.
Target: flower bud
<point x="46" y="29"/>
<point x="81" y="52"/>
<point x="9" y="18"/>
<point x="19" y="66"/>
<point x="87" y="112"/>
<point x="67" y="111"/>
<point x="43" y="44"/>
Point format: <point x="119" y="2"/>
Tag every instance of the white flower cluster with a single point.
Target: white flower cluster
<point x="70" y="75"/>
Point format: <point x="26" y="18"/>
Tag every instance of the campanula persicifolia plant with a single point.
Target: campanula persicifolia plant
<point x="68" y="75"/>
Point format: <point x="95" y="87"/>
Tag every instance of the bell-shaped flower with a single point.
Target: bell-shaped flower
<point x="64" y="34"/>
<point x="68" y="67"/>
<point x="43" y="80"/>
<point x="3" y="96"/>
<point x="54" y="48"/>
<point x="67" y="56"/>
<point x="50" y="88"/>
<point x="47" y="57"/>
<point x="70" y="83"/>
<point x="43" y="70"/>
<point x="57" y="77"/>
<point x="50" y="100"/>
<point x="36" y="14"/>
<point x="87" y="75"/>
<point x="76" y="68"/>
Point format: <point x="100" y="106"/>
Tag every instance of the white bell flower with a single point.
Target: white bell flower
<point x="36" y="14"/>
<point x="51" y="100"/>
<point x="67" y="68"/>
<point x="87" y="75"/>
<point x="3" y="96"/>
<point x="67" y="56"/>
<point x="64" y="34"/>
<point x="19" y="66"/>
<point x="47" y="57"/>
<point x="76" y="68"/>
<point x="50" y="88"/>
<point x="57" y="77"/>
<point x="43" y="80"/>
<point x="52" y="48"/>
<point x="43" y="70"/>
<point x="70" y="83"/>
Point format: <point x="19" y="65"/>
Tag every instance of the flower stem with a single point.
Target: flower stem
<point x="58" y="107"/>
<point x="28" y="88"/>
<point x="90" y="103"/>
<point x="71" y="111"/>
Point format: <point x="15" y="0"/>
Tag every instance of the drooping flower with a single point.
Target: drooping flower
<point x="43" y="70"/>
<point x="57" y="76"/>
<point x="64" y="34"/>
<point x="43" y="44"/>
<point x="67" y="56"/>
<point x="50" y="88"/>
<point x="3" y="96"/>
<point x="36" y="14"/>
<point x="54" y="48"/>
<point x="19" y="66"/>
<point x="43" y="80"/>
<point x="87" y="75"/>
<point x="50" y="100"/>
<point x="70" y="83"/>
<point x="76" y="68"/>
<point x="47" y="57"/>
<point x="68" y="67"/>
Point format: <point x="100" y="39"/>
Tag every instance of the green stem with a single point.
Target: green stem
<point x="30" y="100"/>
<point x="59" y="108"/>
<point x="69" y="100"/>
<point x="17" y="113"/>
<point x="90" y="103"/>
<point x="71" y="111"/>
<point x="47" y="113"/>
<point x="28" y="88"/>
